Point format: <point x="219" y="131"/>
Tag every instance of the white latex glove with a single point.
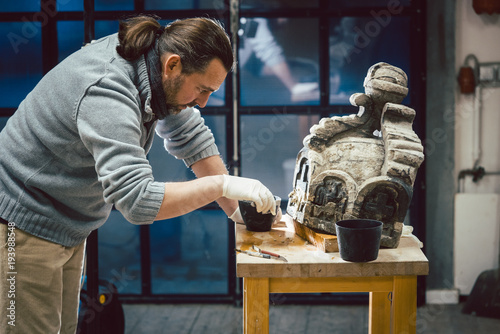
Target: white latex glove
<point x="279" y="215"/>
<point x="242" y="188"/>
<point x="236" y="216"/>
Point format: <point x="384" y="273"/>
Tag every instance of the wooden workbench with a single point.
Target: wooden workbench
<point x="309" y="270"/>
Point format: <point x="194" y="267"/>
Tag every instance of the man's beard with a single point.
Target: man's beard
<point x="171" y="89"/>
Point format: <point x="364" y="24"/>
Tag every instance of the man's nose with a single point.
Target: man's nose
<point x="202" y="100"/>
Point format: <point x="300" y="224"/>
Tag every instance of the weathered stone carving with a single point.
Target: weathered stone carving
<point x="361" y="166"/>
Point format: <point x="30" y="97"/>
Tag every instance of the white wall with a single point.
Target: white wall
<point x="478" y="35"/>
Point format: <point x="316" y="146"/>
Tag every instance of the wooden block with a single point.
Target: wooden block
<point x="255" y="305"/>
<point x="325" y="242"/>
<point x="404" y="304"/>
<point x="379" y="312"/>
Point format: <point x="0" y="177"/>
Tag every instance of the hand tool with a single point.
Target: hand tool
<point x="274" y="255"/>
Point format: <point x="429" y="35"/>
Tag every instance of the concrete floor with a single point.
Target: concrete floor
<point x="293" y="319"/>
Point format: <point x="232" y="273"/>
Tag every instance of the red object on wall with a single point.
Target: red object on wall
<point x="486" y="6"/>
<point x="466" y="80"/>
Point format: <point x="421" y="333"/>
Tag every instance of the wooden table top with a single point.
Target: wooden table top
<point x="305" y="260"/>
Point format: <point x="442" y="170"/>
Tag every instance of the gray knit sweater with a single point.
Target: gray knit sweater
<point x="77" y="145"/>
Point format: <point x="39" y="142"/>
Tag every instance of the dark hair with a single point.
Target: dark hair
<point x="196" y="40"/>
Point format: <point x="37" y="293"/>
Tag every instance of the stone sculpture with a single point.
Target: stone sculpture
<point x="361" y="166"/>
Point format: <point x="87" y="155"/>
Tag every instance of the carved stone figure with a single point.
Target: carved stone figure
<point x="361" y="166"/>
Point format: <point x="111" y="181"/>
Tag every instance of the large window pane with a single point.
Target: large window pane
<point x="185" y="4"/>
<point x="189" y="254"/>
<point x="70" y="37"/>
<point x="114" y="4"/>
<point x="21" y="61"/>
<point x="70" y="5"/>
<point x="393" y="5"/>
<point x="356" y="43"/>
<point x="269" y="4"/>
<point x="105" y="28"/>
<point x="119" y="254"/>
<point x="278" y="61"/>
<point x="269" y="148"/>
<point x="20" y="6"/>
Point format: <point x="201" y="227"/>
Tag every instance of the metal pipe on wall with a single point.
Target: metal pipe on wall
<point x="471" y="80"/>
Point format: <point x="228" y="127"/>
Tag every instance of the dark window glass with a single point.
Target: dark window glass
<point x="189" y="254"/>
<point x="269" y="4"/>
<point x="114" y="4"/>
<point x="356" y="43"/>
<point x="20" y="6"/>
<point x="278" y="61"/>
<point x="185" y="4"/>
<point x="70" y="37"/>
<point x="21" y="61"/>
<point x="218" y="98"/>
<point x="120" y="254"/>
<point x="70" y="6"/>
<point x="105" y="28"/>
<point x="392" y="5"/>
<point x="3" y="121"/>
<point x="269" y="148"/>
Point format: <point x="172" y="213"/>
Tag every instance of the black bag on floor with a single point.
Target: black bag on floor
<point x="108" y="311"/>
<point x="484" y="298"/>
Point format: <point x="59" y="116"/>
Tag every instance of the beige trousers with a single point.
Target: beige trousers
<point x="39" y="284"/>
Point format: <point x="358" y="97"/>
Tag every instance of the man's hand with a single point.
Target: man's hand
<point x="241" y="188"/>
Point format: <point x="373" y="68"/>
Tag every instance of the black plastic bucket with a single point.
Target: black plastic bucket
<point x="359" y="239"/>
<point x="257" y="221"/>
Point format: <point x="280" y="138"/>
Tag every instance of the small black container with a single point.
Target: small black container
<point x="257" y="221"/>
<point x="359" y="239"/>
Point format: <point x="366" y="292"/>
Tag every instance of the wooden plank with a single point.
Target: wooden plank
<point x="255" y="305"/>
<point x="404" y="304"/>
<point x="379" y="315"/>
<point x="325" y="242"/>
<point x="330" y="284"/>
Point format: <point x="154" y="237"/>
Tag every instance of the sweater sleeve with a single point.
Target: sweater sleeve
<point x="110" y="125"/>
<point x="187" y="137"/>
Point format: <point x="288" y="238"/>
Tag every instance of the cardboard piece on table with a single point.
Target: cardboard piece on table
<point x="324" y="242"/>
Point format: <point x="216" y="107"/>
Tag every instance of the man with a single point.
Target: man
<point x="77" y="146"/>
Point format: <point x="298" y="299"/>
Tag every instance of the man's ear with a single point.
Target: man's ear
<point x="173" y="65"/>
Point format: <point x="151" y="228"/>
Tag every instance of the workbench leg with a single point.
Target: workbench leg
<point x="379" y="317"/>
<point x="255" y="305"/>
<point x="404" y="305"/>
